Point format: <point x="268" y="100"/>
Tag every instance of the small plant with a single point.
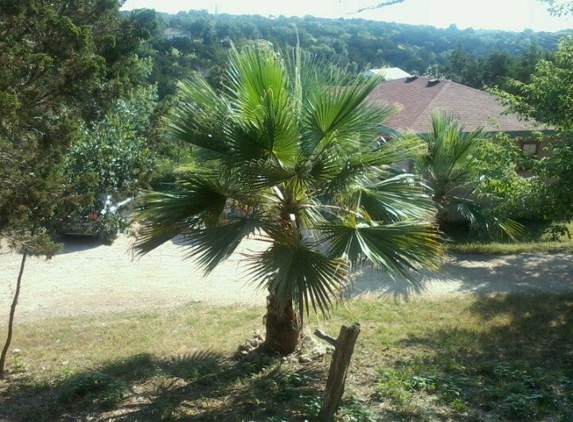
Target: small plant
<point x="525" y="407"/>
<point x="520" y="394"/>
<point x="19" y="365"/>
<point x="446" y="387"/>
<point x="293" y="380"/>
<point x="356" y="411"/>
<point x="310" y="403"/>
<point x="424" y="383"/>
<point x="394" y="384"/>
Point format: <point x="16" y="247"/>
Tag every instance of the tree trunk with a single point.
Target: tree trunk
<point x="12" y="314"/>
<point x="283" y="327"/>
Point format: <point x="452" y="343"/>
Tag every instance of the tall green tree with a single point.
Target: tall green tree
<point x="451" y="171"/>
<point x="464" y="68"/>
<point x="110" y="156"/>
<point x="548" y="98"/>
<point x="290" y="154"/>
<point x="59" y="63"/>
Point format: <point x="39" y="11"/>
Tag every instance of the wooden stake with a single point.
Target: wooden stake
<point x="338" y="370"/>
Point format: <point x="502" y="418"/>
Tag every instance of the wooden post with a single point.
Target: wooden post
<point x="343" y="350"/>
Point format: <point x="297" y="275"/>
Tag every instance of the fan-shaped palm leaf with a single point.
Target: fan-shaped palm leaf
<point x="340" y="117"/>
<point x="213" y="245"/>
<point x="188" y="205"/>
<point x="199" y="118"/>
<point x="296" y="271"/>
<point x="398" y="198"/>
<point x="397" y="248"/>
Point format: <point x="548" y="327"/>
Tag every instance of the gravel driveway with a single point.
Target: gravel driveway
<point x="87" y="277"/>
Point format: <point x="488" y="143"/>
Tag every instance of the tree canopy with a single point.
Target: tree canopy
<point x="62" y="62"/>
<point x="356" y="43"/>
<point x="548" y="98"/>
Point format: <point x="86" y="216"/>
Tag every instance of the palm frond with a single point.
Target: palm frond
<point x="340" y="115"/>
<point x="342" y="172"/>
<point x="263" y="174"/>
<point x="480" y="220"/>
<point x="508" y="228"/>
<point x="212" y="245"/>
<point x="449" y="149"/>
<point x="257" y="88"/>
<point x="199" y="116"/>
<point x="271" y="133"/>
<point x="396" y="248"/>
<point x="405" y="148"/>
<point x="394" y="199"/>
<point x="297" y="271"/>
<point x="254" y="71"/>
<point x="188" y="204"/>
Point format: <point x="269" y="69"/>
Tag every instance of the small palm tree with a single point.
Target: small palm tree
<point x="289" y="153"/>
<point x="451" y="171"/>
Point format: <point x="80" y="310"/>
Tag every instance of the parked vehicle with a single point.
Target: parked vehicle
<point x="104" y="222"/>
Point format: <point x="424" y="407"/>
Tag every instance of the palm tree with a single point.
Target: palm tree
<point x="296" y="153"/>
<point x="451" y="171"/>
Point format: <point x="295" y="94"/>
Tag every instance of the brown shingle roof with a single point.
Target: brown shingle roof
<point x="418" y="97"/>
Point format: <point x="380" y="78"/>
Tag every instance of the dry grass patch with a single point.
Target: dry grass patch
<point x="80" y="343"/>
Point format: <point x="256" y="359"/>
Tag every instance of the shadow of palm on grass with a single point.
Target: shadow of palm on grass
<point x="199" y="387"/>
<point x="125" y="387"/>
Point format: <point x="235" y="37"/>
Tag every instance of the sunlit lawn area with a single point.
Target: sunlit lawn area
<point x="464" y="358"/>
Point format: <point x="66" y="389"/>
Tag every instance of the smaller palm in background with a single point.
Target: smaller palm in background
<point x="451" y="171"/>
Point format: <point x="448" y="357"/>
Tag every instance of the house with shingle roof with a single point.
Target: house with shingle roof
<point x="172" y="33"/>
<point x="417" y="98"/>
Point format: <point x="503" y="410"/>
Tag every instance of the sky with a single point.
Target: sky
<point x="511" y="15"/>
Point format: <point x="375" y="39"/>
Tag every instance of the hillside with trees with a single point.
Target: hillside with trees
<point x="473" y="57"/>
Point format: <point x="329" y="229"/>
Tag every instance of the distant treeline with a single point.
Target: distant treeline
<point x="473" y="57"/>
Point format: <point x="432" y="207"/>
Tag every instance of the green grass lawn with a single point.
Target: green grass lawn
<point x="465" y="358"/>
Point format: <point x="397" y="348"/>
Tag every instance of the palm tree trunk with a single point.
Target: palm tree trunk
<point x="442" y="219"/>
<point x="283" y="327"/>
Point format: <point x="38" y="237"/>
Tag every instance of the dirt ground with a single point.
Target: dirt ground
<point x="87" y="277"/>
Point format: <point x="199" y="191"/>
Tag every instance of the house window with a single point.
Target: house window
<point x="530" y="148"/>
